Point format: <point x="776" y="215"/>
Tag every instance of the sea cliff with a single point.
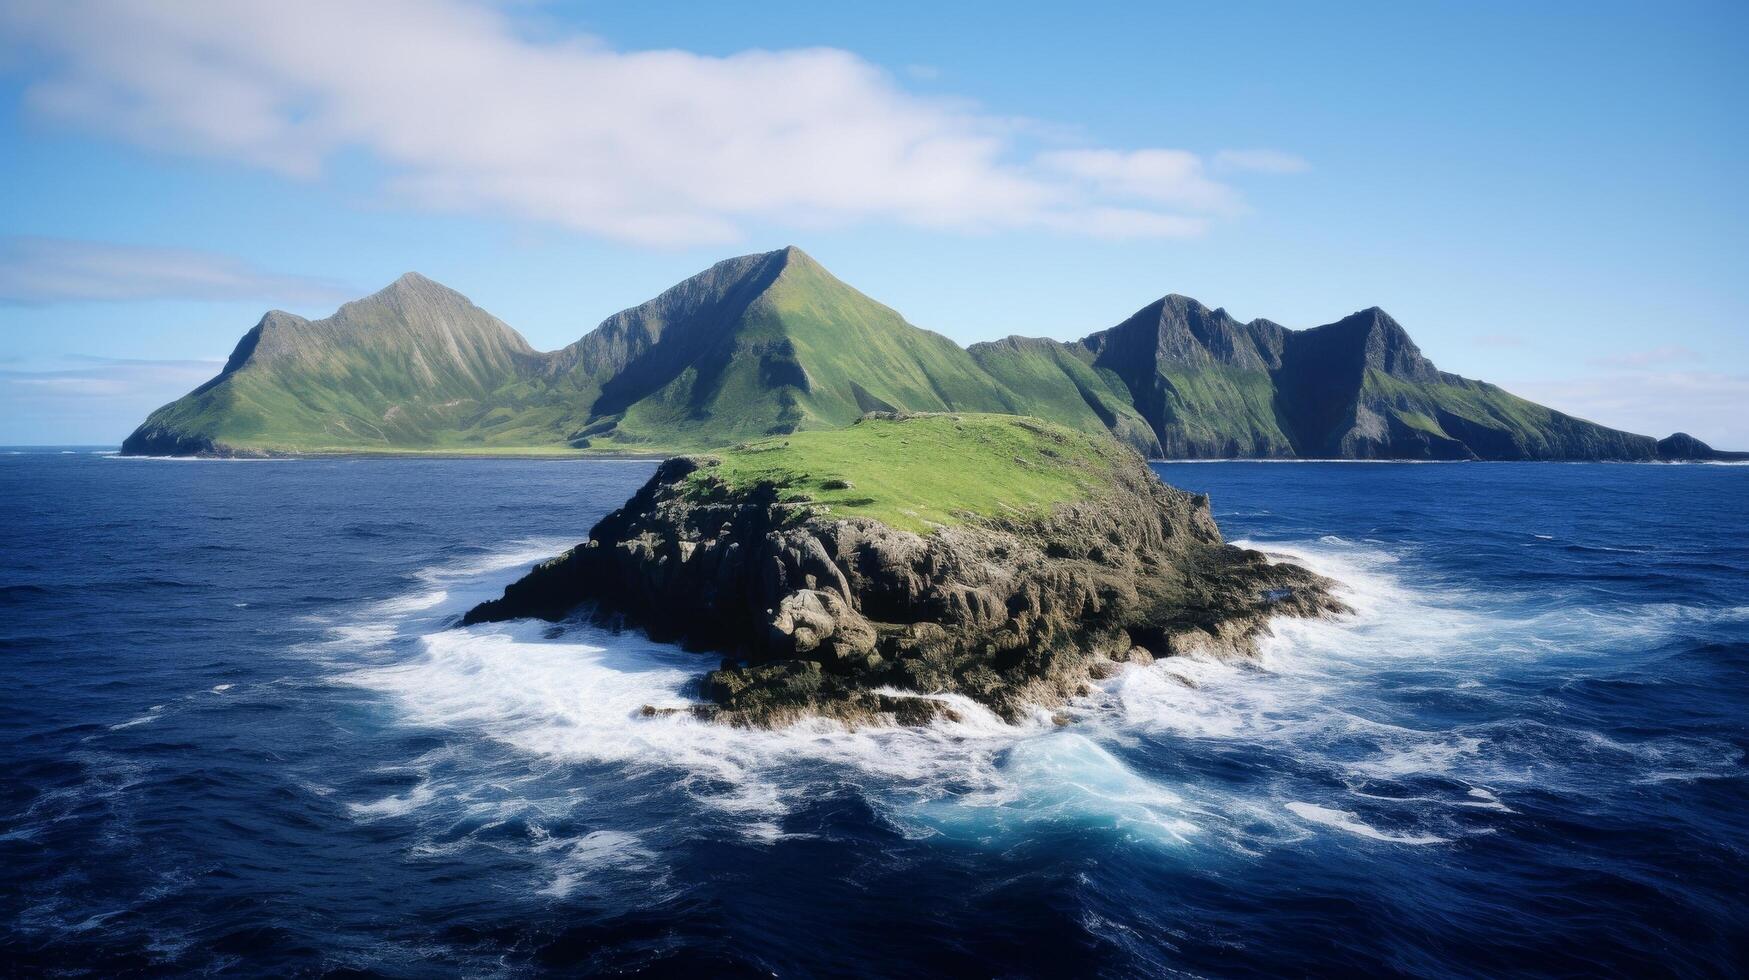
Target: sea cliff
<point x="859" y="573"/>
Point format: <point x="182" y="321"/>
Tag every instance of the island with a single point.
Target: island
<point x="773" y="343"/>
<point x="862" y="573"/>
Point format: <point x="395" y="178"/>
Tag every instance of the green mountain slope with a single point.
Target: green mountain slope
<point x="1056" y="381"/>
<point x="1208" y="386"/>
<point x="1360" y="389"/>
<point x="754" y="346"/>
<point x="771" y="344"/>
<point x="1198" y="377"/>
<point x="765" y="345"/>
<point x="413" y="366"/>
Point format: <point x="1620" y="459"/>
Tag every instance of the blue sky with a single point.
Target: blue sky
<point x="1548" y="196"/>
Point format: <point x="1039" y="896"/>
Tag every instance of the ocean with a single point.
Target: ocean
<point x="242" y="734"/>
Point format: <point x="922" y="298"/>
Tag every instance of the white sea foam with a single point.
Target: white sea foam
<point x="1310" y="709"/>
<point x="412" y="602"/>
<point x="1345" y="821"/>
<point x="394" y="806"/>
<point x="583" y="859"/>
<point x="580" y="697"/>
<point x="152" y="714"/>
<point x="1063" y="780"/>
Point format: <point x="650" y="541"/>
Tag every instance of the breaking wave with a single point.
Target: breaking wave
<point x="1328" y="744"/>
<point x="247" y="735"/>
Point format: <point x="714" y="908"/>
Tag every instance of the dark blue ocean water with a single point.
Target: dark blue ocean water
<point x="237" y="735"/>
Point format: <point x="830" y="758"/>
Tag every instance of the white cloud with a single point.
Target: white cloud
<point x="469" y="112"/>
<point x="1706" y="404"/>
<point x="1261" y="161"/>
<point x="46" y="270"/>
<point x="1171" y="177"/>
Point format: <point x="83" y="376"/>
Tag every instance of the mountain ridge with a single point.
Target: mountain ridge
<point x="770" y="343"/>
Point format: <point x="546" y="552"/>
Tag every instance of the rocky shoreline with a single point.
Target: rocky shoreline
<point x="820" y="614"/>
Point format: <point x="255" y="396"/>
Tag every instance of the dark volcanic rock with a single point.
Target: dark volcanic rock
<point x="149" y="440"/>
<point x="1680" y="446"/>
<point x="853" y="619"/>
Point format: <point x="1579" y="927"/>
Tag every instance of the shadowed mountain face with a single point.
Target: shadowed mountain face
<point x="1209" y="386"/>
<point x="772" y="343"/>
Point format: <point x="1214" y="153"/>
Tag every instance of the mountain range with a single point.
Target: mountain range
<point x="772" y="343"/>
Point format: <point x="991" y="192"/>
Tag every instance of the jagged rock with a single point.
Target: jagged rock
<point x="827" y="615"/>
<point x="1682" y="447"/>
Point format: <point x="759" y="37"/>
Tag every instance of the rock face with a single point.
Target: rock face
<point x="1682" y="447"/>
<point x="1212" y="387"/>
<point x="851" y="618"/>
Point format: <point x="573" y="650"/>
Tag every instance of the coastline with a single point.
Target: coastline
<point x="657" y="457"/>
<point x="838" y="576"/>
<point x="530" y="454"/>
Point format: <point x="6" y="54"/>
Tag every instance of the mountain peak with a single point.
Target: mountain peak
<point x="413" y="299"/>
<point x="1681" y="445"/>
<point x="1179" y="301"/>
<point x="1379" y="318"/>
<point x="279" y="318"/>
<point x="772" y="341"/>
<point x="1384" y="344"/>
<point x="791" y="257"/>
<point x="414" y="284"/>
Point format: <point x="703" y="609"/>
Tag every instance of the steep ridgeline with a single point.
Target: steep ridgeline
<point x="755" y="346"/>
<point x="1208" y="386"/>
<point x="409" y="366"/>
<point x="772" y="343"/>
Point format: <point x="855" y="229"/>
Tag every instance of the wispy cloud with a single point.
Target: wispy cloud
<point x="79" y="398"/>
<point x="1656" y="356"/>
<point x="112" y="375"/>
<point x="48" y="270"/>
<point x="158" y="363"/>
<point x="1171" y="177"/>
<point x="1707" y="404"/>
<point x="469" y="111"/>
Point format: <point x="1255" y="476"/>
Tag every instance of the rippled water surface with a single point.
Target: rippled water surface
<point x="239" y="733"/>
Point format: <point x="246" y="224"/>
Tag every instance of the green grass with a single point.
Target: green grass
<point x="923" y="471"/>
<point x="1474" y="400"/>
<point x="759" y="346"/>
<point x="1215" y="404"/>
<point x="1056" y="381"/>
<point x="794" y="359"/>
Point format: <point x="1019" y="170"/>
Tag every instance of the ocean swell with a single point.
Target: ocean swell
<point x="1314" y="738"/>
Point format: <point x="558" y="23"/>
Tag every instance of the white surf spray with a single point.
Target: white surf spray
<point x="1329" y="753"/>
<point x="1348" y="822"/>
